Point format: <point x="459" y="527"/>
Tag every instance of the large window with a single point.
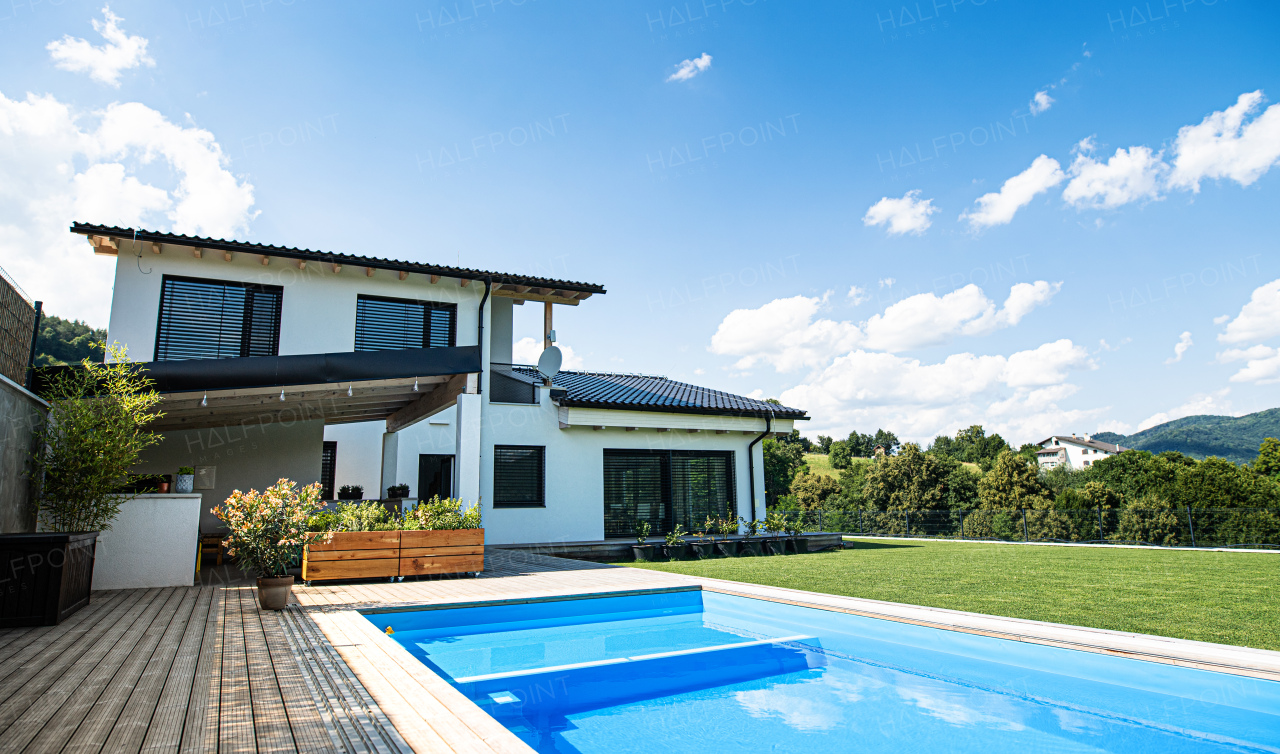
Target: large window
<point x="666" y="488"/>
<point x="385" y="324"/>
<point x="328" y="466"/>
<point x="217" y="319"/>
<point x="519" y="474"/>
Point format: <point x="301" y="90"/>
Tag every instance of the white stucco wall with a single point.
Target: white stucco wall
<point x="253" y="456"/>
<point x="318" y="314"/>
<point x="152" y="543"/>
<point x="1078" y="454"/>
<point x="359" y="454"/>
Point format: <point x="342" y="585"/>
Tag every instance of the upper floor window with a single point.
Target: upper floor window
<point x="217" y="319"/>
<point x="384" y="324"/>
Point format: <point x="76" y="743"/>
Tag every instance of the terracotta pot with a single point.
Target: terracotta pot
<point x="273" y="593"/>
<point x="164" y="488"/>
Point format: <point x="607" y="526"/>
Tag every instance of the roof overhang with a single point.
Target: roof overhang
<point x="108" y="240"/>
<point x="402" y="387"/>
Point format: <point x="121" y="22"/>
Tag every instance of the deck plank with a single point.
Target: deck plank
<point x="270" y="720"/>
<point x="200" y="728"/>
<point x="235" y="721"/>
<point x="309" y="732"/>
<point x="164" y="734"/>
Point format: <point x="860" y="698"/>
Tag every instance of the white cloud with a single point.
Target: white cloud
<point x="783" y="333"/>
<point x="998" y="208"/>
<point x="1131" y="174"/>
<point x="527" y="351"/>
<point x="857" y="295"/>
<point x="104" y="63"/>
<point x="1215" y="403"/>
<point x="1179" y="348"/>
<point x="910" y="214"/>
<point x="1041" y="102"/>
<point x="1259" y="319"/>
<point x="926" y="319"/>
<point x="1262" y="364"/>
<point x="1046" y="365"/>
<point x="58" y="165"/>
<point x="1221" y="319"/>
<point x="1224" y="146"/>
<point x="887" y="282"/>
<point x="690" y="68"/>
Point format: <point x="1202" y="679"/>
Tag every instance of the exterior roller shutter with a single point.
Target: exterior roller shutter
<point x="217" y="319"/>
<point x="666" y="488"/>
<point x="519" y="476"/>
<point x="386" y="324"/>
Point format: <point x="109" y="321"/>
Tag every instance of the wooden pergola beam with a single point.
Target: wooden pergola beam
<point x="442" y="397"/>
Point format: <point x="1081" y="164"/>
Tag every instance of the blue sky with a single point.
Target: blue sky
<point x="733" y="205"/>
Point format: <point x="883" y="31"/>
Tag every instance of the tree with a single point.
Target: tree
<point x="909" y="481"/>
<point x="1219" y="483"/>
<point x="92" y="437"/>
<point x="824" y="444"/>
<point x="63" y="341"/>
<point x="839" y="455"/>
<point x="1268" y="461"/>
<point x="853" y="482"/>
<point x="887" y="440"/>
<point x="794" y="438"/>
<point x="1013" y="483"/>
<point x="813" y="490"/>
<point x="782" y="461"/>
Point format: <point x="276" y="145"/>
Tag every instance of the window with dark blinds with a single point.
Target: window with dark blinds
<point x="385" y="324"/>
<point x="519" y="476"/>
<point x="217" y="319"/>
<point x="666" y="488"/>
<point x="328" y="465"/>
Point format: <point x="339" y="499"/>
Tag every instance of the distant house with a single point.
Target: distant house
<point x="1074" y="452"/>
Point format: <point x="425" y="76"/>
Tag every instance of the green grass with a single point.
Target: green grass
<point x="820" y="463"/>
<point x="1223" y="597"/>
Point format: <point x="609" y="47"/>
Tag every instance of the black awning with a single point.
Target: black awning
<point x="301" y="369"/>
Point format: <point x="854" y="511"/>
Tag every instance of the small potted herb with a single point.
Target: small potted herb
<point x="351" y="492"/>
<point x="640" y="549"/>
<point x="750" y="545"/>
<point x="727" y="527"/>
<point x="186" y="480"/>
<point x="676" y="548"/>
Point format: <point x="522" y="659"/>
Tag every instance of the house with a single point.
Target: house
<point x="1074" y="451"/>
<point x="317" y="366"/>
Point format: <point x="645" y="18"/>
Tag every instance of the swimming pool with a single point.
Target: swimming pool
<point x="699" y="671"/>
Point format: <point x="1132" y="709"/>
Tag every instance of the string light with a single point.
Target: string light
<point x="205" y="400"/>
<point x="348" y="391"/>
<point x="415" y="386"/>
<point x="282" y="396"/>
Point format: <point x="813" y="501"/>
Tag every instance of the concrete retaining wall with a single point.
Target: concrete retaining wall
<point x="20" y="413"/>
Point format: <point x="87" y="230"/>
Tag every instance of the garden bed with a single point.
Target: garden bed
<point x="390" y="554"/>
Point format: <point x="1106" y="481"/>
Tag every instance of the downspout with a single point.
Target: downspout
<point x="751" y="462"/>
<point x="488" y="283"/>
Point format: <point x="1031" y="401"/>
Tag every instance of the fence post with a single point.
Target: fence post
<point x="1100" y="524"/>
<point x="861" y="528"/>
<point x="962" y="524"/>
<point x="1191" y="527"/>
<point x="1025" y="537"/>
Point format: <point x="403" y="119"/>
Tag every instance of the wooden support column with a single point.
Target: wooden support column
<point x="546" y="323"/>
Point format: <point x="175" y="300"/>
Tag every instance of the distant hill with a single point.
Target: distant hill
<point x="1235" y="438"/>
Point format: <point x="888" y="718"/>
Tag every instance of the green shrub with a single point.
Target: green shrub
<point x="370" y="516"/>
<point x="442" y="514"/>
<point x="1151" y="520"/>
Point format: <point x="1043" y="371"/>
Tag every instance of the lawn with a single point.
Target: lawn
<point x="1223" y="597"/>
<point x="820" y="463"/>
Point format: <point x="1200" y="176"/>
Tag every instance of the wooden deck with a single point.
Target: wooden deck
<point x="202" y="669"/>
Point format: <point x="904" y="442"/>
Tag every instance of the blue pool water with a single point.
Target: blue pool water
<point x="705" y="672"/>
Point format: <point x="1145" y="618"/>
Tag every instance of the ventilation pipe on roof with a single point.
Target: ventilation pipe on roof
<point x="751" y="463"/>
<point x="488" y="284"/>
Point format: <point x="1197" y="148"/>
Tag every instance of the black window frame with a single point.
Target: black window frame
<point x="673" y="477"/>
<point x="251" y="339"/>
<point x="369" y="338"/>
<point x="541" y="474"/>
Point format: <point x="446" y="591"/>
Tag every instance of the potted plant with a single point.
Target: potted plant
<point x="186" y="480"/>
<point x="705" y="545"/>
<point x="351" y="492"/>
<point x="776" y="524"/>
<point x="266" y="531"/>
<point x="727" y="527"/>
<point x="750" y="545"/>
<point x="441" y="535"/>
<point x="640" y="550"/>
<point x="398" y="491"/>
<point x="676" y="548"/>
<point x="795" y="535"/>
<point x="79" y="471"/>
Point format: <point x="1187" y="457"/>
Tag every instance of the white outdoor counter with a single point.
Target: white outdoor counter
<point x="151" y="544"/>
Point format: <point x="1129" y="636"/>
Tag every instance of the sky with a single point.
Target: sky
<point x="1041" y="217"/>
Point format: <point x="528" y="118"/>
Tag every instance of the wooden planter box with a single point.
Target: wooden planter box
<point x="387" y="554"/>
<point x="46" y="577"/>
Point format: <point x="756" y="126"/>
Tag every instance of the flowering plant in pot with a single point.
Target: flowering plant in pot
<point x="705" y="544"/>
<point x="676" y="548"/>
<point x="640" y="549"/>
<point x="266" y="531"/>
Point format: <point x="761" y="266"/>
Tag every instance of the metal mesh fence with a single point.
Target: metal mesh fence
<point x="1168" y="527"/>
<point x="17" y="320"/>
